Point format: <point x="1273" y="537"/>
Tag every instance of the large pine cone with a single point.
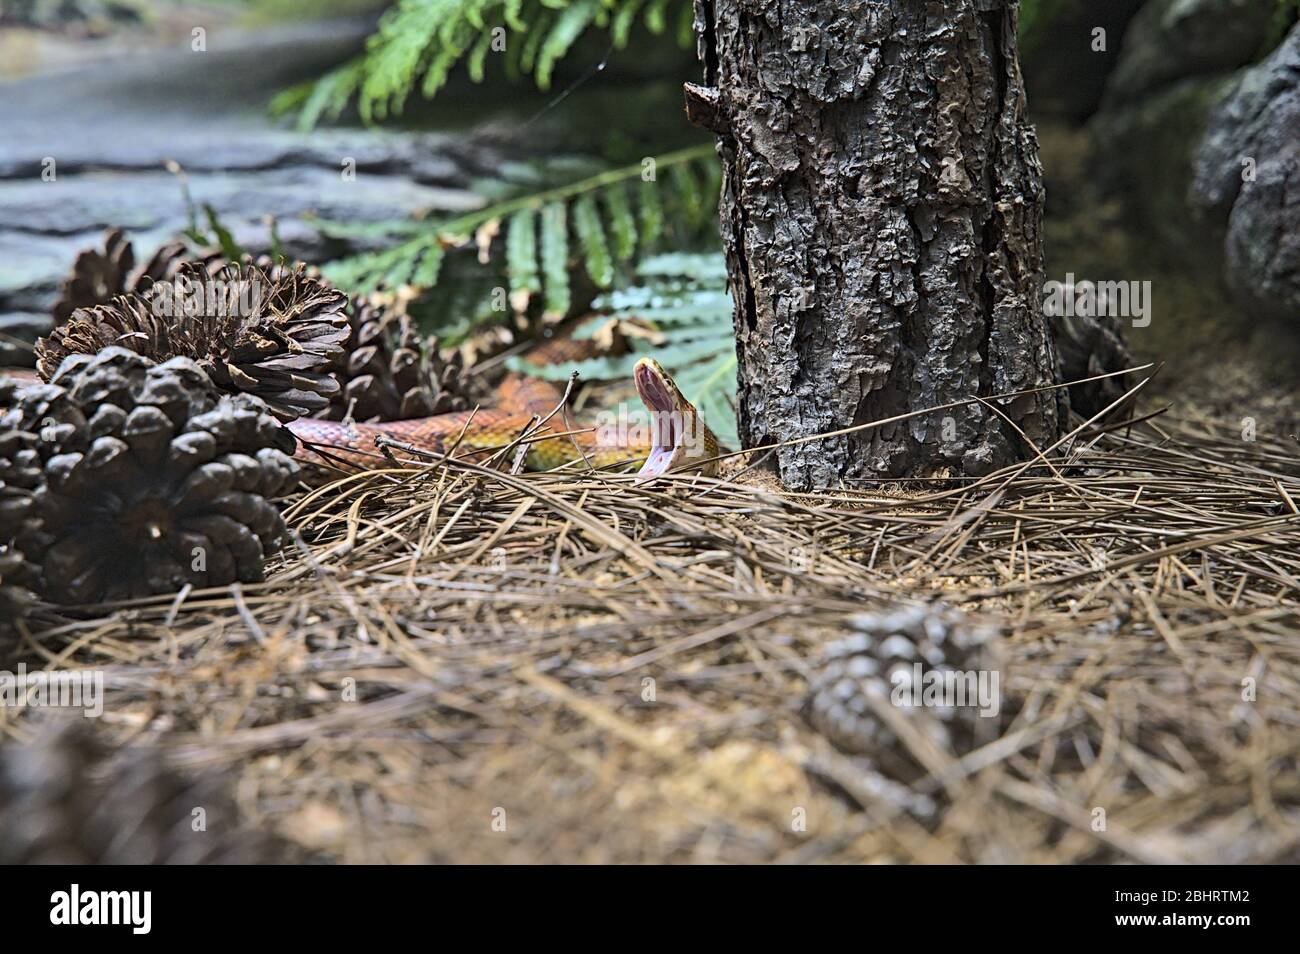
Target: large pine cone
<point x="152" y="479"/>
<point x="274" y="333"/>
<point x="391" y="373"/>
<point x="100" y="276"/>
<point x="877" y="663"/>
<point x="65" y="799"/>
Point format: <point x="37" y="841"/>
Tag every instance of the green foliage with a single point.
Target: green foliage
<point x="1037" y="17"/>
<point x="590" y="221"/>
<point x="555" y="258"/>
<point x="1288" y="12"/>
<point x="216" y="235"/>
<point x="684" y="296"/>
<point x="418" y="42"/>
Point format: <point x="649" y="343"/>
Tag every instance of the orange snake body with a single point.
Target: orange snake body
<point x="521" y="403"/>
<point x="675" y="439"/>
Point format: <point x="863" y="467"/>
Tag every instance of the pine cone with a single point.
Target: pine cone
<point x="391" y="373"/>
<point x="878" y="662"/>
<point x="1088" y="347"/>
<point x="275" y="334"/>
<point x="100" y="276"/>
<point x="20" y="475"/>
<point x="152" y="479"/>
<point x="65" y="800"/>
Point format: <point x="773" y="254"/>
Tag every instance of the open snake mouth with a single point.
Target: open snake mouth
<point x="665" y="419"/>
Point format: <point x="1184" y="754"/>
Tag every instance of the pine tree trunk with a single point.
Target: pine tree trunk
<point x="881" y="208"/>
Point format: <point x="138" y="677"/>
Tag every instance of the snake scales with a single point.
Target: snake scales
<point x="675" y="438"/>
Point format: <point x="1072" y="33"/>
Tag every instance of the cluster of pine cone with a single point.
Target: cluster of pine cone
<point x="150" y="458"/>
<point x="305" y="348"/>
<point x="138" y="478"/>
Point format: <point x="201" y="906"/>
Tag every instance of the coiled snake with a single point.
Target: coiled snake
<point x="675" y="439"/>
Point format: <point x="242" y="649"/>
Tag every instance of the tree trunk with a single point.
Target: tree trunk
<point x="881" y="208"/>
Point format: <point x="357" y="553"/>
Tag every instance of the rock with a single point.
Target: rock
<point x="1143" y="155"/>
<point x="111" y="126"/>
<point x="1171" y="40"/>
<point x="1177" y="64"/>
<point x="18" y="333"/>
<point x="1247" y="177"/>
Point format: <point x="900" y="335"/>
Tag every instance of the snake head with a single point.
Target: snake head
<point x="680" y="440"/>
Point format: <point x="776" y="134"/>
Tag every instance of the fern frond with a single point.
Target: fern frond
<point x="326" y="98"/>
<point x="685" y="297"/>
<point x="656" y="16"/>
<point x="651" y="214"/>
<point x="622" y="227"/>
<point x="620" y="29"/>
<point x="596" y="210"/>
<point x="521" y="258"/>
<point x="418" y="43"/>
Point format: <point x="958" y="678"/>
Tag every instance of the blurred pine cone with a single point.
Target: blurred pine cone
<point x="1088" y="347"/>
<point x="65" y="800"/>
<point x="391" y="373"/>
<point x="878" y="659"/>
<point x="273" y="333"/>
<point x="151" y="478"/>
<point x="100" y="276"/>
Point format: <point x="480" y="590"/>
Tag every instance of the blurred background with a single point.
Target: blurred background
<point x="393" y="141"/>
<point x="499" y="170"/>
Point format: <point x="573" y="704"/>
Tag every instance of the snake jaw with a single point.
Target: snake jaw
<point x="672" y="419"/>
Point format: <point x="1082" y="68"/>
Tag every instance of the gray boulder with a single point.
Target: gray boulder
<point x="1247" y="175"/>
<point x="1171" y="40"/>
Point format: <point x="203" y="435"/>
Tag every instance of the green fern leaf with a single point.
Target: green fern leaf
<point x="622" y="226"/>
<point x="603" y="224"/>
<point x="456" y="37"/>
<point x="394" y="54"/>
<point x="425" y="275"/>
<point x="476" y="62"/>
<point x="533" y="40"/>
<point x="687" y="198"/>
<point x="568" y="27"/>
<point x="418" y="42"/>
<point x="473" y="13"/>
<point x="685" y="25"/>
<point x="328" y="97"/>
<point x="651" y="214"/>
<point x="555" y="260"/>
<point x="586" y="222"/>
<point x="620" y="29"/>
<point x="511" y="15"/>
<point x="521" y="254"/>
<point x="656" y="16"/>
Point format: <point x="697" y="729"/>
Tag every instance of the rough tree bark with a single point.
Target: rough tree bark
<point x="881" y="209"/>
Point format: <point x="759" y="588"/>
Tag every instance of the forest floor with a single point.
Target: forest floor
<point x="462" y="665"/>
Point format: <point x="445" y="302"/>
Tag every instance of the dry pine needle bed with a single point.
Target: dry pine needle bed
<point x="458" y="664"/>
